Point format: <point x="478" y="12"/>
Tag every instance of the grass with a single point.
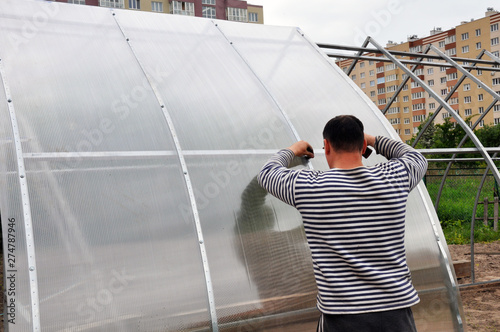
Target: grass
<point x="457" y="204"/>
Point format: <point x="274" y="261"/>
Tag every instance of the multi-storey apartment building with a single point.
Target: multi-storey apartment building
<point x="379" y="80"/>
<point x="232" y="10"/>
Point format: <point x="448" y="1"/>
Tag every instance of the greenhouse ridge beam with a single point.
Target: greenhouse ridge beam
<point x="402" y="53"/>
<point x="407" y="62"/>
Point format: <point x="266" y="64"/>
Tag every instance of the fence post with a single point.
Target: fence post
<point x="485" y="214"/>
<point x="495" y="215"/>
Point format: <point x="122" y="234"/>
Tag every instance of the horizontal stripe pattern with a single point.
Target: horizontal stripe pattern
<point x="354" y="222"/>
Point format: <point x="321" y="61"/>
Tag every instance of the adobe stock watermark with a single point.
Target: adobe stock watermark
<point x="31" y="27"/>
<point x="102" y="299"/>
<point x="381" y="19"/>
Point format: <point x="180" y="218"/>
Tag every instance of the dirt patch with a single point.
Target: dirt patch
<point x="481" y="303"/>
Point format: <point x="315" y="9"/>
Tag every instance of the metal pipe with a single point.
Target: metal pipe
<point x="400" y="53"/>
<point x="408" y="62"/>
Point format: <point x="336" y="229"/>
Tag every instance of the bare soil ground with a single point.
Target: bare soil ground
<point x="481" y="303"/>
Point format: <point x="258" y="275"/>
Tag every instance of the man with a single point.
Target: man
<point x="354" y="219"/>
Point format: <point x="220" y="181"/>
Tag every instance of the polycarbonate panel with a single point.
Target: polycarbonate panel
<point x="204" y="83"/>
<point x="259" y="258"/>
<point x="110" y="103"/>
<point x="283" y="56"/>
<point x="79" y="88"/>
<point x="115" y="249"/>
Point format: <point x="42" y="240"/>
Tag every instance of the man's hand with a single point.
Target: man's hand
<point x="302" y="149"/>
<point x="370" y="140"/>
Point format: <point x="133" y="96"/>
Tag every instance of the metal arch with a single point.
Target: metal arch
<point x="26" y="208"/>
<point x="401" y="86"/>
<point x="189" y="186"/>
<point x="448" y="96"/>
<point x="462" y="142"/>
<point x="466" y="73"/>
<point x="360" y="53"/>
<point x="473" y="221"/>
<point x="457" y="117"/>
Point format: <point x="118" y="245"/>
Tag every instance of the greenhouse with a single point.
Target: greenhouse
<point x="131" y="142"/>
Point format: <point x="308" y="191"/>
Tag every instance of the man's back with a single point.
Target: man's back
<point x="354" y="222"/>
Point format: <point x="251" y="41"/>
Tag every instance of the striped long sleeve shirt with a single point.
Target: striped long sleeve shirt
<point x="354" y="220"/>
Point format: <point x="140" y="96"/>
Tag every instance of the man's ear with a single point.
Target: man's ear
<point x="327" y="146"/>
<point x="365" y="145"/>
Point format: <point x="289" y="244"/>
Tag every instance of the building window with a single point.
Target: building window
<point x="380" y="69"/>
<point x="446" y="115"/>
<point x="467" y="87"/>
<point x="496" y="81"/>
<point x="465" y="49"/>
<point x="407" y="121"/>
<point x="444" y="92"/>
<point x="442" y="69"/>
<point x="157" y="6"/>
<point x="407" y="131"/>
<point x="363" y="85"/>
<point x="237" y="14"/>
<point x="418" y="107"/>
<point x="372" y="83"/>
<point x="390" y="66"/>
<point x="353" y="77"/>
<point x="395" y="121"/>
<point x="494" y="41"/>
<point x="382" y="101"/>
<point x="467" y="99"/>
<point x="361" y="65"/>
<point x="372" y="93"/>
<point x="430" y="71"/>
<point x="468" y="111"/>
<point x="451" y="51"/>
<point x="465" y="36"/>
<point x="496" y="108"/>
<point x="405" y="87"/>
<point x="134" y="4"/>
<point x="208" y="2"/>
<point x="430" y="82"/>
<point x="481" y="124"/>
<point x="419" y="118"/>
<point x="497" y="121"/>
<point x="453" y="101"/>
<point x="480" y="97"/>
<point x="478" y="45"/>
<point x="417" y="95"/>
<point x="432" y="106"/>
<point x="406" y="99"/>
<point x="183" y="8"/>
<point x="393" y="110"/>
<point x="441" y="43"/>
<point x="254" y="18"/>
<point x="443" y="80"/>
<point x="450" y="39"/>
<point x="362" y="75"/>
<point x="494" y="27"/>
<point x="208" y="12"/>
<point x="77" y="2"/>
<point x="451" y="77"/>
<point x="372" y="72"/>
<point x="380" y="91"/>
<point x="112" y="3"/>
<point x="481" y="110"/>
<point x="479" y="72"/>
<point x="380" y="80"/>
<point x="478" y="32"/>
<point x="406" y="110"/>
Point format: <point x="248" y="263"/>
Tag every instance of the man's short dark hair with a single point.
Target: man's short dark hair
<point x="345" y="133"/>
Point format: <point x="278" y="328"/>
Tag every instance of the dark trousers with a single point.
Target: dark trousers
<point x="400" y="320"/>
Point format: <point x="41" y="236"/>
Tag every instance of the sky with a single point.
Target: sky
<point x="348" y="22"/>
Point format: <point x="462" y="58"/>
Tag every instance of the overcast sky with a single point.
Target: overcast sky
<point x="348" y="22"/>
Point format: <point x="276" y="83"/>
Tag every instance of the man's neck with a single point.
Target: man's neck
<point x="346" y="160"/>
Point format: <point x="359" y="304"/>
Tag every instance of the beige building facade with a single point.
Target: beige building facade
<point x="380" y="80"/>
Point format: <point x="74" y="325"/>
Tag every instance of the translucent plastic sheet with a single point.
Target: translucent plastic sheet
<point x="141" y="136"/>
